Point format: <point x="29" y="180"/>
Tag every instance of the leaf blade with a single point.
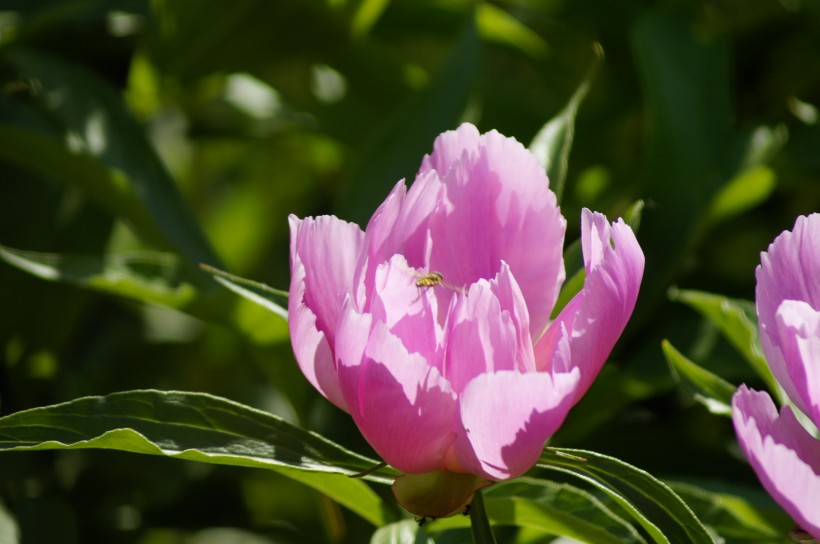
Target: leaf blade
<point x="198" y="427"/>
<point x="708" y="388"/>
<point x="661" y="512"/>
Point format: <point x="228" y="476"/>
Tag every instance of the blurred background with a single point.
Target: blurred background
<point x="139" y="139"/>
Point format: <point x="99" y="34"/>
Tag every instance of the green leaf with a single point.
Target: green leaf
<point x="633" y="215"/>
<point x="49" y="157"/>
<point x="742" y="193"/>
<point x="737" y="321"/>
<point x="144" y="275"/>
<point x="495" y="24"/>
<point x="553" y="142"/>
<point x="552" y="508"/>
<point x="396" y="153"/>
<point x="685" y="79"/>
<point x="96" y="124"/>
<point x="661" y="513"/>
<point x="366" y="16"/>
<point x="257" y="292"/>
<point x="709" y="389"/>
<point x="199" y="427"/>
<point x="736" y="513"/>
<point x="9" y="532"/>
<point x="402" y="532"/>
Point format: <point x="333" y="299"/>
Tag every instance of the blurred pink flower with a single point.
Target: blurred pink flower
<point x="432" y="327"/>
<point x="785" y="456"/>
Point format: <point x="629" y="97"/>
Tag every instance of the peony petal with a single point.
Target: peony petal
<point x="507" y="417"/>
<point x="783" y="454"/>
<point x="399" y="226"/>
<point x="323" y="252"/>
<point x="328" y="249"/>
<point x="788" y="271"/>
<point x="449" y="147"/>
<point x="480" y="337"/>
<point x="798" y="341"/>
<point x="499" y="209"/>
<point x="586" y="330"/>
<point x="403" y="406"/>
<point x="409" y="311"/>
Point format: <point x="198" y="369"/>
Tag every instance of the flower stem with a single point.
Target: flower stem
<point x="482" y="533"/>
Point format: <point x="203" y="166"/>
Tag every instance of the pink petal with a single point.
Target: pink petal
<point x="403" y="406"/>
<point x="797" y="339"/>
<point x="480" y="337"/>
<point x="399" y="226"/>
<point x="499" y="208"/>
<point x="449" y="147"/>
<point x="323" y="252"/>
<point x="586" y="330"/>
<point x="507" y="417"/>
<point x="784" y="456"/>
<point x="409" y="311"/>
<point x="488" y="331"/>
<point x="788" y="271"/>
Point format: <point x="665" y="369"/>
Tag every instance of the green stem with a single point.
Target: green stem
<point x="482" y="533"/>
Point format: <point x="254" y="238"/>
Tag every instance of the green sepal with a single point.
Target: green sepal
<point x="437" y="494"/>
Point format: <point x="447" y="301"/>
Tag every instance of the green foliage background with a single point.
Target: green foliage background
<point x="194" y="127"/>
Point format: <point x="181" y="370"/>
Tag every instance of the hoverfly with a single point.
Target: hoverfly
<point x="432" y="279"/>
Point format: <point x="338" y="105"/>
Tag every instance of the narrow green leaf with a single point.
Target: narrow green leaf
<point x="737" y="321"/>
<point x="553" y="142"/>
<point x="96" y="124"/>
<point x="257" y="292"/>
<point x="145" y="276"/>
<point x="366" y="16"/>
<point x="661" y="513"/>
<point x="199" y="427"/>
<point x="633" y="215"/>
<point x="743" y="192"/>
<point x="495" y="24"/>
<point x="709" y="389"/>
<point x="552" y="508"/>
<point x="402" y="532"/>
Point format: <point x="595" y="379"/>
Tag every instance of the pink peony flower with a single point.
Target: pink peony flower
<point x="432" y="327"/>
<point x="785" y="456"/>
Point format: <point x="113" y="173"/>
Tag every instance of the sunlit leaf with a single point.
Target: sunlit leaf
<point x="735" y="513"/>
<point x="366" y="16"/>
<point x="495" y="24"/>
<point x="199" y="427"/>
<point x="144" y="276"/>
<point x="633" y="215"/>
<point x="709" y="389"/>
<point x="553" y="142"/>
<point x="743" y="192"/>
<point x="401" y="532"/>
<point x="9" y="532"/>
<point x="737" y="321"/>
<point x="651" y="503"/>
<point x="255" y="291"/>
<point x="553" y="508"/>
